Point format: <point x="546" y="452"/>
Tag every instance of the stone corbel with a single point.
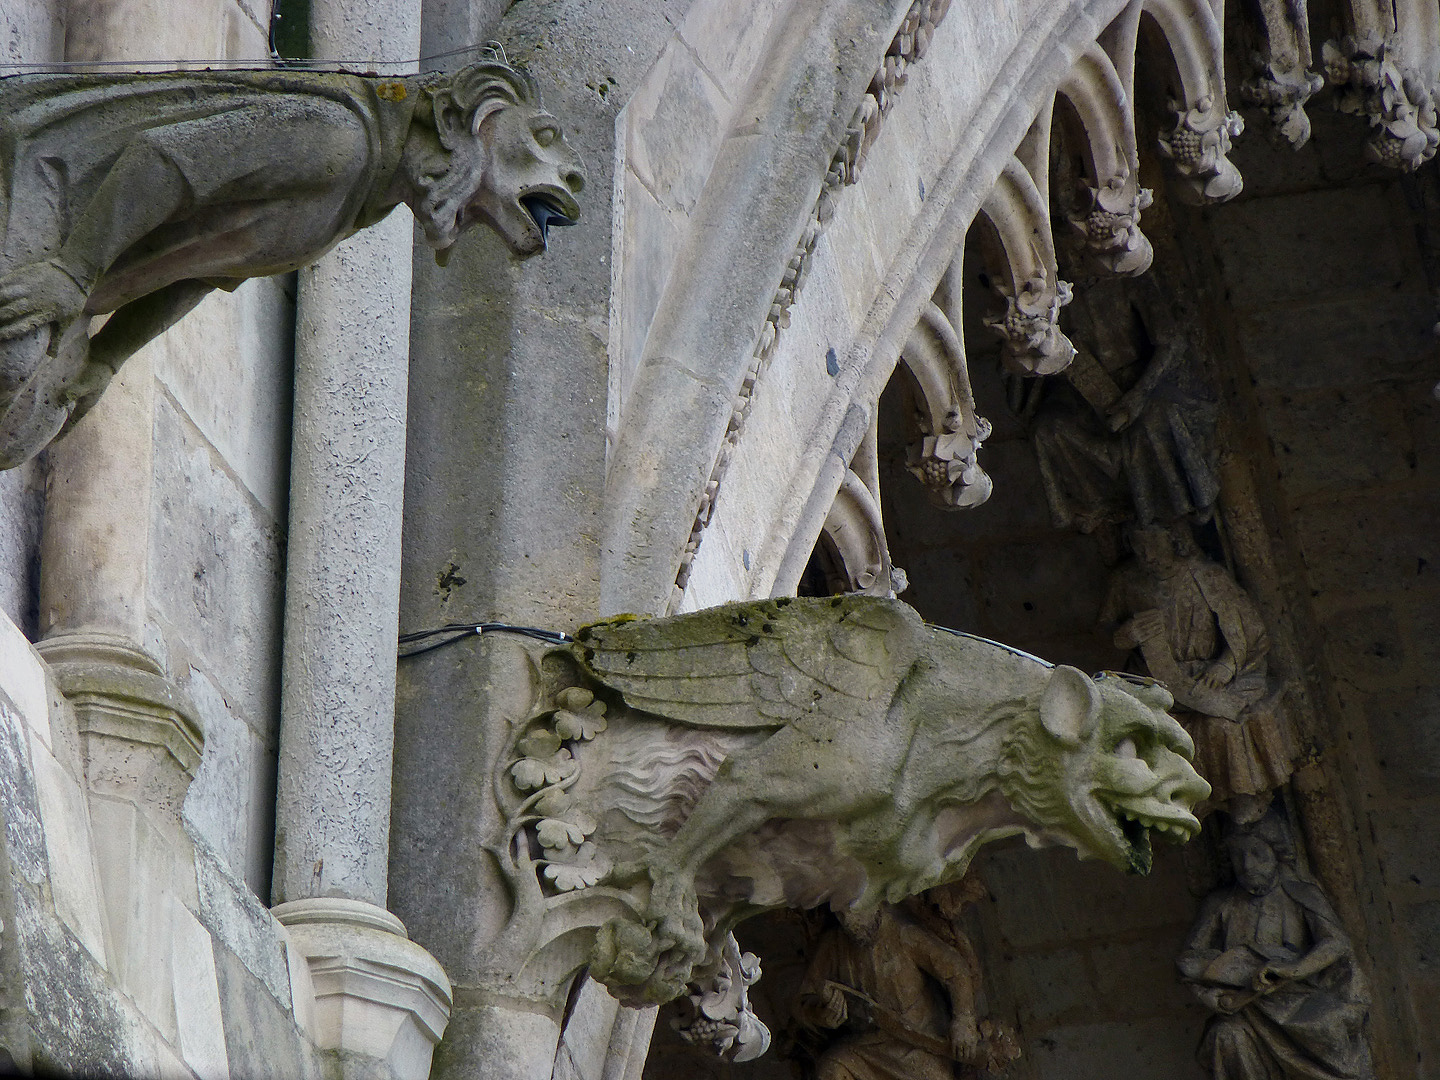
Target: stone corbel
<point x="381" y="1001"/>
<point x="1372" y="81"/>
<point x="1282" y="82"/>
<point x="1106" y="210"/>
<point x="140" y="736"/>
<point x="1030" y="286"/>
<point x="1199" y="142"/>
<point x="945" y="459"/>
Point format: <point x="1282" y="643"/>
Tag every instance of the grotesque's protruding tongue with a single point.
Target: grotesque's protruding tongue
<point x="545" y="214"/>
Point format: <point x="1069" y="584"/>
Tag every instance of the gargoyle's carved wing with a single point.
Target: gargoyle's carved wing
<point x="759" y="664"/>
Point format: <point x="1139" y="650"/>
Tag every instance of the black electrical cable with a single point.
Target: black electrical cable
<point x="464" y="630"/>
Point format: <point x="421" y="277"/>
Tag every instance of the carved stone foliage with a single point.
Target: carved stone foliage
<point x="1198" y="145"/>
<point x="1200" y="634"/>
<point x="1031" y="290"/>
<point x="1281" y="81"/>
<point x="1270" y="960"/>
<point x="867" y="1009"/>
<point x="1105" y="204"/>
<point x="137" y="195"/>
<point x="945" y="456"/>
<point x="670" y="777"/>
<point x="716" y="1014"/>
<point x="1373" y="81"/>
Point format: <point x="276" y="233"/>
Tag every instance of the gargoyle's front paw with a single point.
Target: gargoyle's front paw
<point x="682" y="934"/>
<point x="624" y="957"/>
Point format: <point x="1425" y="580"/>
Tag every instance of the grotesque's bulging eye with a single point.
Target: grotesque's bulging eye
<point x="1125" y="748"/>
<point x="546" y="135"/>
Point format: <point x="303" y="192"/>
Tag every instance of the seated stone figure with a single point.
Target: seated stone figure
<point x="1270" y="960"/>
<point x="136" y="195"/>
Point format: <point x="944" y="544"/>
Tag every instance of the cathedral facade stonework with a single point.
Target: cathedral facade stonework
<point x="944" y="439"/>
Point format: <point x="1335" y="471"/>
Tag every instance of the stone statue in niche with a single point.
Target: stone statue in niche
<point x="667" y="778"/>
<point x="1269" y="958"/>
<point x="135" y="196"/>
<point x="1200" y="634"/>
<point x="1129" y="434"/>
<point x="868" y="994"/>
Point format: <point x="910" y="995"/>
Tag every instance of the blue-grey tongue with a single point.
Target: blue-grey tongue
<point x="545" y="215"/>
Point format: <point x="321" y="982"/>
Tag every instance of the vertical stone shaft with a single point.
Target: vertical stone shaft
<point x="94" y="550"/>
<point x="347" y="482"/>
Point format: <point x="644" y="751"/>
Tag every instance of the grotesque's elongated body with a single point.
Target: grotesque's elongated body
<point x="800" y="752"/>
<point x="138" y="195"/>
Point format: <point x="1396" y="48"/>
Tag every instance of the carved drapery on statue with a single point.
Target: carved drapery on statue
<point x="137" y="195"/>
<point x="1202" y="636"/>
<point x="867" y="1006"/>
<point x="1130" y="434"/>
<point x="1270" y="959"/>
<point x="668" y="778"/>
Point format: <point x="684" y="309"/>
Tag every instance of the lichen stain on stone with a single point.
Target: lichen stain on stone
<point x="447" y="581"/>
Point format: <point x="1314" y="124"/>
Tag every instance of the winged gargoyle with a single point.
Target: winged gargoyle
<point x="135" y="196"/>
<point x="678" y="775"/>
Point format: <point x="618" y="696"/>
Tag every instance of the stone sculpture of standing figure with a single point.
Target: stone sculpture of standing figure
<point x="1202" y="636"/>
<point x="1269" y="958"/>
<point x="872" y="980"/>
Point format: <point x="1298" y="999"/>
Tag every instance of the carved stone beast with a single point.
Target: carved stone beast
<point x="137" y="195"/>
<point x="685" y="773"/>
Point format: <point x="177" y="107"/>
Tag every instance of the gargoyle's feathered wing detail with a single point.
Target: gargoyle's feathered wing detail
<point x="761" y="664"/>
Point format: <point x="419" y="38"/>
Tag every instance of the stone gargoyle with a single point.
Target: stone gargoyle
<point x="137" y="195"/>
<point x="671" y="777"/>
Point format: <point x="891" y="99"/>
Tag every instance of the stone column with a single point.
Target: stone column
<point x="502" y="504"/>
<point x="382" y="1002"/>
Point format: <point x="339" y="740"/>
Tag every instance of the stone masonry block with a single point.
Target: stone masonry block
<point x="216" y="582"/>
<point x="243" y="925"/>
<point x="676" y="121"/>
<point x="1401" y="548"/>
<point x="1143" y="1050"/>
<point x="1405" y="735"/>
<point x="197" y="998"/>
<point x="231" y="802"/>
<point x="728" y="37"/>
<point x="1364" y="645"/>
<point x="261" y="1039"/>
<point x="1350" y="339"/>
<point x="1338" y="441"/>
<point x="1052" y="587"/>
<point x="1293" y="246"/>
<point x="22" y="680"/>
<point x="1049" y="986"/>
<point x="1406" y="860"/>
<point x="68" y="845"/>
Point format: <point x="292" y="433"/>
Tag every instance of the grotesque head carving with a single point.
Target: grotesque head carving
<point x="1105" y="765"/>
<point x="505" y="162"/>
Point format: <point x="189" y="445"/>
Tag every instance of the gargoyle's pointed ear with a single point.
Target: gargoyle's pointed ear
<point x="451" y="123"/>
<point x="1070" y="705"/>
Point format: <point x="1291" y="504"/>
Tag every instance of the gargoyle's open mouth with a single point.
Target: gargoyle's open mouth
<point x="1135" y="826"/>
<point x="547" y="210"/>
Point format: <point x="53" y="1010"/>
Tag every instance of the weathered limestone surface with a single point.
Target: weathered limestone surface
<point x="158" y="968"/>
<point x="505" y="473"/>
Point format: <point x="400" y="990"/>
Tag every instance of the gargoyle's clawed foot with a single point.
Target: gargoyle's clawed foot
<point x="675" y="910"/>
